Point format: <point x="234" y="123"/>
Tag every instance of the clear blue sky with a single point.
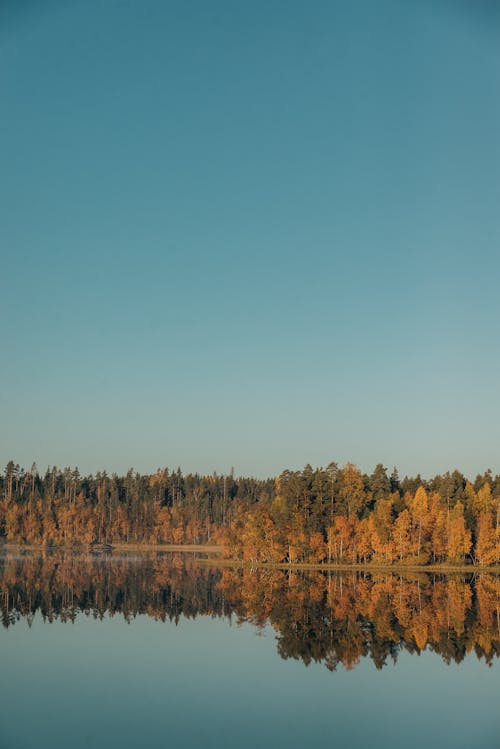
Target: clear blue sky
<point x="250" y="234"/>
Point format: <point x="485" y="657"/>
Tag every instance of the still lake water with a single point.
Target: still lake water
<point x="128" y="651"/>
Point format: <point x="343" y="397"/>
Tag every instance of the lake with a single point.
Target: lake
<point x="133" y="650"/>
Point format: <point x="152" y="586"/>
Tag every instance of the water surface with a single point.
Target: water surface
<point x="133" y="650"/>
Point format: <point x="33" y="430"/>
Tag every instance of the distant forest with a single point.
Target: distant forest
<point x="323" y="515"/>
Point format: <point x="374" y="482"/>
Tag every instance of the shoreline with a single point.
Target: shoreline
<point x="214" y="554"/>
<point x="444" y="569"/>
<point x="99" y="548"/>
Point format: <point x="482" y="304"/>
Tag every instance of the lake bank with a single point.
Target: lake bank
<point x="214" y="554"/>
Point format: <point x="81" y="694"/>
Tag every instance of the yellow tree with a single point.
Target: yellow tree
<point x="317" y="547"/>
<point x="274" y="548"/>
<point x="343" y="537"/>
<point x="297" y="538"/>
<point x="352" y="489"/>
<point x="420" y="513"/>
<point x="482" y="501"/>
<point x="363" y="539"/>
<point x="381" y="524"/>
<point x="486" y="544"/>
<point x="459" y="537"/>
<point x="439" y="535"/>
<point x="401" y="534"/>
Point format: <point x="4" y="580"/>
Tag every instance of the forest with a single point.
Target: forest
<point x="332" y="515"/>
<point x="324" y="617"/>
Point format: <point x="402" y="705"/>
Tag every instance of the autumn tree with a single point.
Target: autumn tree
<point x="401" y="535"/>
<point x="487" y="544"/>
<point x="459" y="537"/>
<point x="352" y="497"/>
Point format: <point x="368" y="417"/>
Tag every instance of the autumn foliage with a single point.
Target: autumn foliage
<point x="317" y="516"/>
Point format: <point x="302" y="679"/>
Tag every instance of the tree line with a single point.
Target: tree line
<point x="63" y="507"/>
<point x="335" y="514"/>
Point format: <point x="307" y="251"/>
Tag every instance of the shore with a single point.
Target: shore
<point x="396" y="568"/>
<point x="214" y="554"/>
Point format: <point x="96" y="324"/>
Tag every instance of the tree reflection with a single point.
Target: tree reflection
<point x="328" y="618"/>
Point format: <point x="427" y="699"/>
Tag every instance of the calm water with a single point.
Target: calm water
<point x="135" y="651"/>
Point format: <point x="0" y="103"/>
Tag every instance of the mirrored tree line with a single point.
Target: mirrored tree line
<point x="323" y="515"/>
<point x="325" y="617"/>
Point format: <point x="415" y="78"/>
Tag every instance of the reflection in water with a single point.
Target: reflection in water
<point x="331" y="618"/>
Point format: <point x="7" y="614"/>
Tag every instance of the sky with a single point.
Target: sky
<point x="250" y="235"/>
